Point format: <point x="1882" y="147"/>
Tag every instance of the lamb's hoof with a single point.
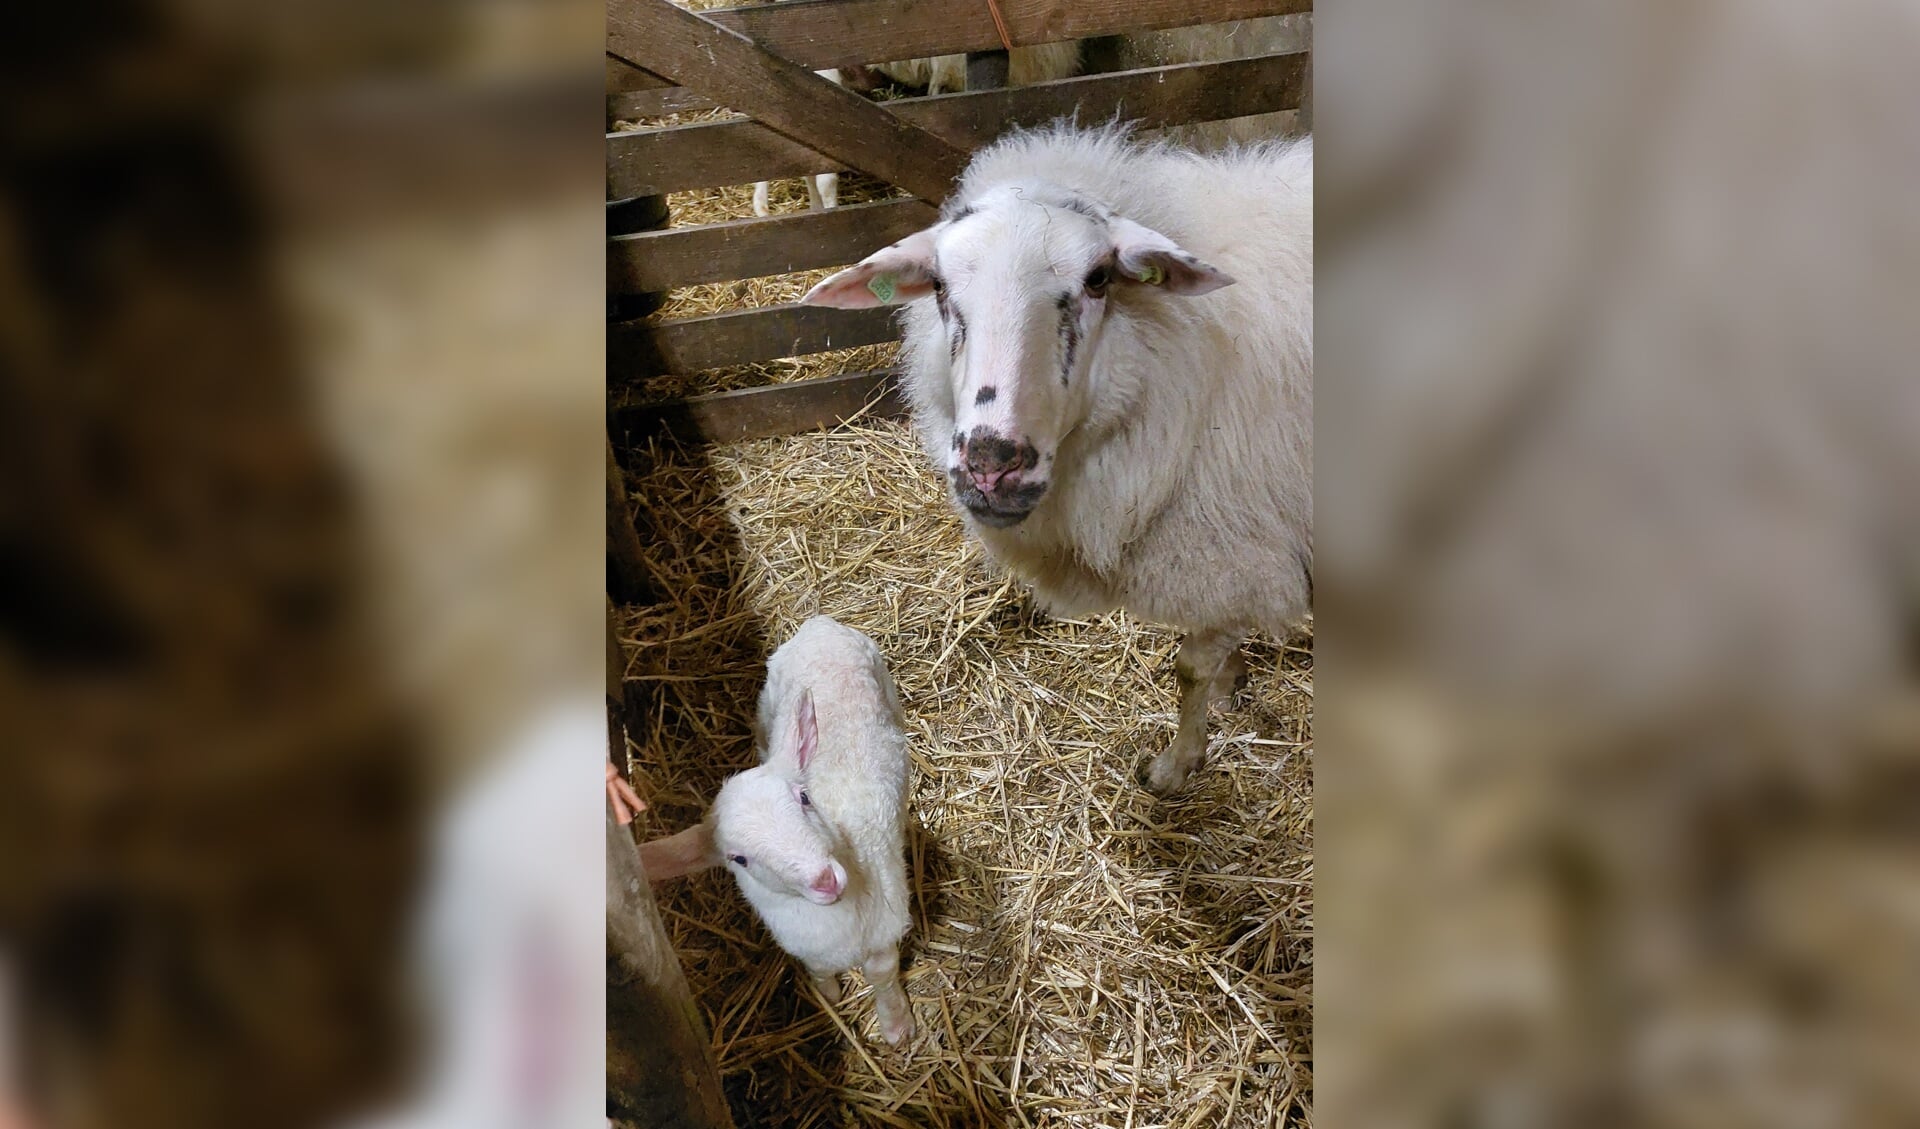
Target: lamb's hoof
<point x="1163" y="775"/>
<point x="828" y="987"/>
<point x="898" y="1030"/>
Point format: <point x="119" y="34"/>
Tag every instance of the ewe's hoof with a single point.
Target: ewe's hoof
<point x="1163" y="775"/>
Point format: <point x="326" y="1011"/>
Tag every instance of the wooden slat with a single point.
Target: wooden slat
<point x="777" y="409"/>
<point x="741" y="337"/>
<point x="656" y="103"/>
<point x="835" y="33"/>
<point x="676" y="158"/>
<point x="792" y="101"/>
<point x="623" y="76"/>
<point x="661" y="260"/>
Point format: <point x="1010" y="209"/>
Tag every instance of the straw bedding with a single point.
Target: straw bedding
<point x="1081" y="954"/>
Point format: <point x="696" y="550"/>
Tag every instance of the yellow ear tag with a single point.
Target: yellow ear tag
<point x="1152" y="275"/>
<point x="882" y="287"/>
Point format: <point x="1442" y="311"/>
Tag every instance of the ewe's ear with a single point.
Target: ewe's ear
<point x="806" y="731"/>
<point x="899" y="273"/>
<point x="683" y="852"/>
<point x="1144" y="255"/>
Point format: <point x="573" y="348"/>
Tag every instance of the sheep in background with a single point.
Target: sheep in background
<point x="940" y="74"/>
<point x="815" y="834"/>
<point x="823" y="189"/>
<point x="943" y="74"/>
<point x="1242" y="39"/>
<point x="1114" y="372"/>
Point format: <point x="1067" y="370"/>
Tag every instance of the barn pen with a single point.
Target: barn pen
<point x="1081" y="954"/>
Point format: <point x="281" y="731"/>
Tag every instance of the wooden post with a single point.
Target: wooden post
<point x="628" y="579"/>
<point x="1303" y="118"/>
<point x="660" y="1067"/>
<point x="630" y="217"/>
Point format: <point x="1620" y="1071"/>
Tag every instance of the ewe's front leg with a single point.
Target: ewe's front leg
<point x="1202" y="665"/>
<point x="889" y="998"/>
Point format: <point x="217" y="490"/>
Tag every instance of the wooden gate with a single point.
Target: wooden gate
<point x="759" y="61"/>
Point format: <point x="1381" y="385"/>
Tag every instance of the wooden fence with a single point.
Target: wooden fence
<point x="759" y="61"/>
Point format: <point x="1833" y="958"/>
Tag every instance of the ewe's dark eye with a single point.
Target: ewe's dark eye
<point x="939" y="285"/>
<point x="737" y="860"/>
<point x="1097" y="280"/>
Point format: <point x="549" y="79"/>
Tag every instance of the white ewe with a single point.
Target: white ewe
<point x="816" y="833"/>
<point x="1115" y="372"/>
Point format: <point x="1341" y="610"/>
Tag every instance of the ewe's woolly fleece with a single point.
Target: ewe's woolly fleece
<point x="1186" y="497"/>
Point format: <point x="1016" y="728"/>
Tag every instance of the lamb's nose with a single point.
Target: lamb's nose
<point x="826" y="883"/>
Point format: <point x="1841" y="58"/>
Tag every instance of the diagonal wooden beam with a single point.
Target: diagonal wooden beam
<point x="724" y="65"/>
<point x="675" y="158"/>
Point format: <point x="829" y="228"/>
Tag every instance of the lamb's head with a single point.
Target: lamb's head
<point x="766" y="827"/>
<point x="1025" y="276"/>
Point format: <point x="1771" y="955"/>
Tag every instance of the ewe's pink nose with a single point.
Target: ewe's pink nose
<point x="826" y="883"/>
<point x="988" y="480"/>
<point x="993" y="462"/>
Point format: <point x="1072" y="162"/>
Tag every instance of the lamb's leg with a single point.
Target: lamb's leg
<point x="826" y="983"/>
<point x="815" y="198"/>
<point x="826" y="191"/>
<point x="889" y="998"/>
<point x="760" y="198"/>
<point x="1202" y="665"/>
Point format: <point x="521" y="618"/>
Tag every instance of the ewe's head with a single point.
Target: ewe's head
<point x="766" y="829"/>
<point x="1023" y="278"/>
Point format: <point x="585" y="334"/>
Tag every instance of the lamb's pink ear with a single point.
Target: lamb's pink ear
<point x="899" y="273"/>
<point x="1144" y="255"/>
<point x="806" y="730"/>
<point x="682" y="852"/>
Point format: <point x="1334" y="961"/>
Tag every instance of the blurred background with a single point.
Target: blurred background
<point x="300" y="552"/>
<point x="1617" y="401"/>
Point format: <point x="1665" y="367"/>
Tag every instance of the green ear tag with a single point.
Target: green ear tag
<point x="1152" y="275"/>
<point x="882" y="287"/>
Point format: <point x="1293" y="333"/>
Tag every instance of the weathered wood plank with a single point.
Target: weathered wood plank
<point x="628" y="577"/>
<point x="660" y="1068"/>
<point x="623" y="76"/>
<point x="789" y="100"/>
<point x="676" y="158"/>
<point x="834" y="33"/>
<point x="777" y="409"/>
<point x="661" y="260"/>
<point x="635" y="104"/>
<point x="741" y="337"/>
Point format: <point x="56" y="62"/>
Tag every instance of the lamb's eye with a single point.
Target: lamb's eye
<point x="939" y="285"/>
<point x="1097" y="280"/>
<point x="737" y="860"/>
<point x="806" y="801"/>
